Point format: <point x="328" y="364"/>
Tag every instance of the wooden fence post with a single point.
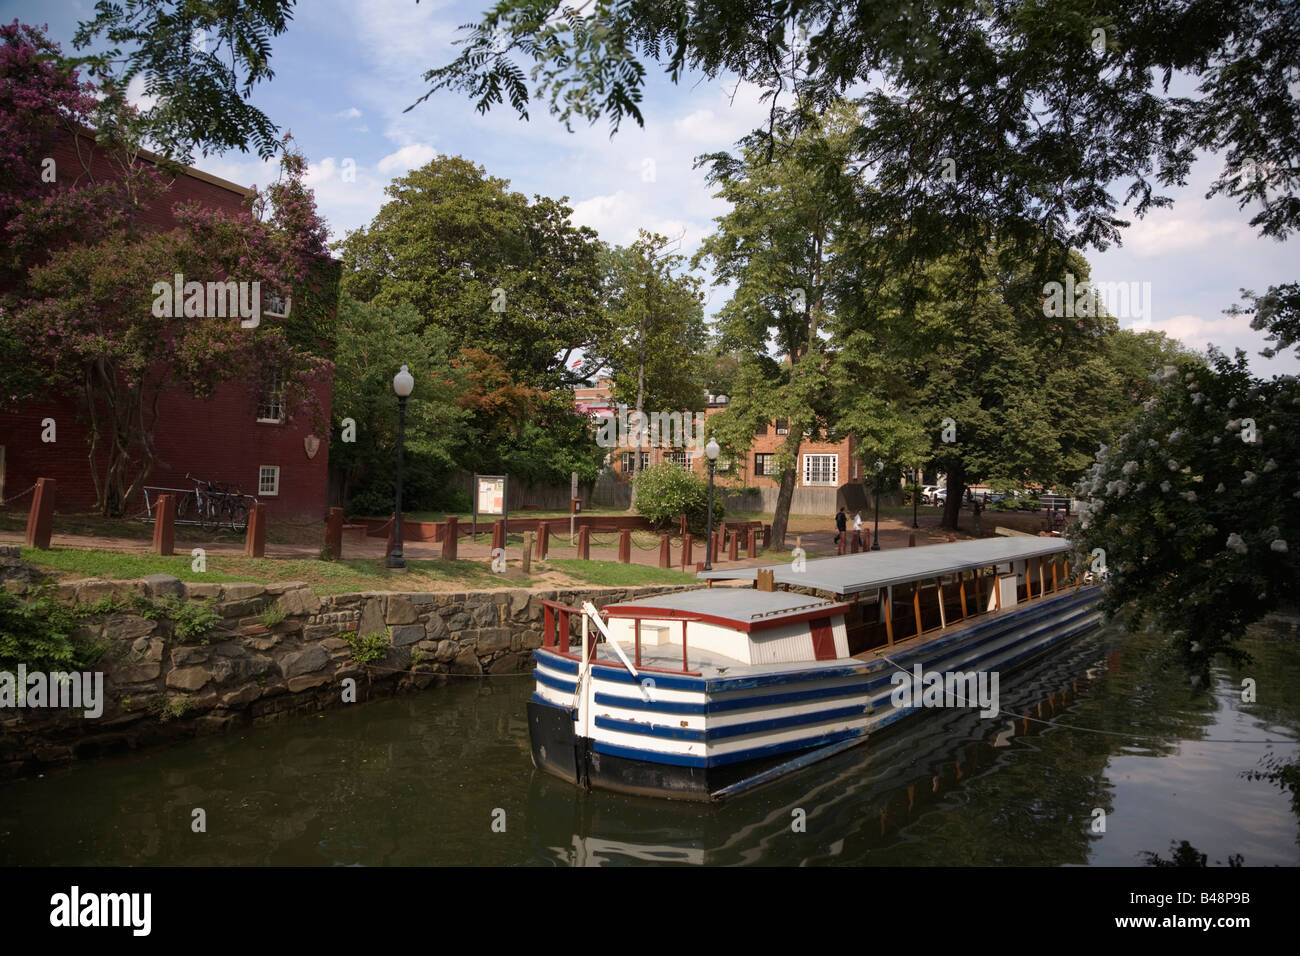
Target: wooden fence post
<point x="686" y="551"/>
<point x="665" y="552"/>
<point x="334" y="534"/>
<point x="625" y="546"/>
<point x="40" y="520"/>
<point x="450" y="538"/>
<point x="543" y="539"/>
<point x="526" y="563"/>
<point x="584" y="542"/>
<point x="255" y="538"/>
<point x="164" y="526"/>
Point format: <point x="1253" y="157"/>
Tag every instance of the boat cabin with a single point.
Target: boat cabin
<point x="903" y="593"/>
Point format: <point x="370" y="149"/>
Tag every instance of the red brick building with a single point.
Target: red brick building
<point x="239" y="437"/>
<point x="821" y="464"/>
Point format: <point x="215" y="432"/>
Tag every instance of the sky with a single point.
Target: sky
<point x="346" y="72"/>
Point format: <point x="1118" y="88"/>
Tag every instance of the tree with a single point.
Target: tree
<point x="44" y="208"/>
<point x="658" y="333"/>
<point x="495" y="271"/>
<point x="373" y="342"/>
<point x="92" y="324"/>
<point x="986" y="378"/>
<point x="1277" y="312"/>
<point x="1193" y="513"/>
<point x="1040" y="109"/>
<point x="531" y="434"/>
<point x="780" y="245"/>
<point x="201" y="59"/>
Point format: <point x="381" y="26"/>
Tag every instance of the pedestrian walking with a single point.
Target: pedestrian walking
<point x="841" y="524"/>
<point x="857" y="527"/>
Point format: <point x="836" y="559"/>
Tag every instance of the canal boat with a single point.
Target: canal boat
<point x="708" y="693"/>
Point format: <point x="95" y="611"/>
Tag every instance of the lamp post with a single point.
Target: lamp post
<point x="875" y="538"/>
<point x="711" y="452"/>
<point x="916" y="493"/>
<point x="403" y="382"/>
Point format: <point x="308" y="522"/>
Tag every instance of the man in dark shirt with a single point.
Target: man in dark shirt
<point x="841" y="523"/>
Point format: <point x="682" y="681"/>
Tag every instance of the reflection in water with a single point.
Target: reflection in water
<point x="420" y="779"/>
<point x="1185" y="855"/>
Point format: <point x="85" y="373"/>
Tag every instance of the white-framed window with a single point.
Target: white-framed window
<point x="764" y="463"/>
<point x="642" y="464"/>
<point x="682" y="458"/>
<point x="270" y="403"/>
<point x="268" y="480"/>
<point x="821" y="469"/>
<point x="275" y="305"/>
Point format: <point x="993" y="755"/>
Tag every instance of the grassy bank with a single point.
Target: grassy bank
<point x="349" y="575"/>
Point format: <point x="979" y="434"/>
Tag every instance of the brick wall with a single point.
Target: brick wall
<point x="219" y="440"/>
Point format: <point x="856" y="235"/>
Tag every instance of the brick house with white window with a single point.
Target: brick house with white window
<point x="238" y="437"/>
<point x="821" y="464"/>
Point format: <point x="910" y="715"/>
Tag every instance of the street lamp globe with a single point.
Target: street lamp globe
<point x="403" y="383"/>
<point x="712" y="449"/>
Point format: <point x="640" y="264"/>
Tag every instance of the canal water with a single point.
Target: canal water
<point x="1111" y="759"/>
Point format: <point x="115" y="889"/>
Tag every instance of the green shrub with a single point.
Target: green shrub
<point x="272" y="616"/>
<point x="37" y="631"/>
<point x="191" y="619"/>
<point x="666" y="491"/>
<point x="369" y="648"/>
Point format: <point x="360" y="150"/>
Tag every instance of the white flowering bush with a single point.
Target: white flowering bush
<point x="1199" y="543"/>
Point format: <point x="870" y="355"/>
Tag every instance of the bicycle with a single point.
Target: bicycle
<point x="216" y="505"/>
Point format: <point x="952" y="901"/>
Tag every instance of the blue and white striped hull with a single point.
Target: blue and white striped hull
<point x="710" y="737"/>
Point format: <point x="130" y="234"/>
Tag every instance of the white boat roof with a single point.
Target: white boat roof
<point x="743" y="605"/>
<point x="868" y="570"/>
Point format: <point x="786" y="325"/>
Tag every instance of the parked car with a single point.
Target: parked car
<point x="939" y="497"/>
<point x="927" y="493"/>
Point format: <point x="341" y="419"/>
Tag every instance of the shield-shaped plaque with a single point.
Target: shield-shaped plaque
<point x="311" y="444"/>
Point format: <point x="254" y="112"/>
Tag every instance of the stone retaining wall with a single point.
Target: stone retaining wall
<point x="158" y="687"/>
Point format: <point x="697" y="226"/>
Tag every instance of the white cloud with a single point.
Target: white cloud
<point x="350" y="113"/>
<point x="407" y="158"/>
<point x="136" y="96"/>
<point x="1161" y="234"/>
<point x="700" y="126"/>
<point x="1229" y="333"/>
<point x="619" y="216"/>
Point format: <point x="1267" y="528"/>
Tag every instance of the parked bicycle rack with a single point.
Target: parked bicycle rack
<point x="186" y="503"/>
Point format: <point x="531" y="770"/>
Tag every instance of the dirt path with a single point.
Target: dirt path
<point x="816" y="534"/>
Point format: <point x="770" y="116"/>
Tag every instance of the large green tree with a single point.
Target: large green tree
<point x="985" y="375"/>
<point x="372" y="342"/>
<point x="657" y="337"/>
<point x="1047" y="108"/>
<point x="491" y="268"/>
<point x="780" y="245"/>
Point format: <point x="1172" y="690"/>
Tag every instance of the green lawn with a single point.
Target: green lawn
<point x="349" y="575"/>
<point x="614" y="574"/>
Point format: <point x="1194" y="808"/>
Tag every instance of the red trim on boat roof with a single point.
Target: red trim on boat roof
<point x="735" y="624"/>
